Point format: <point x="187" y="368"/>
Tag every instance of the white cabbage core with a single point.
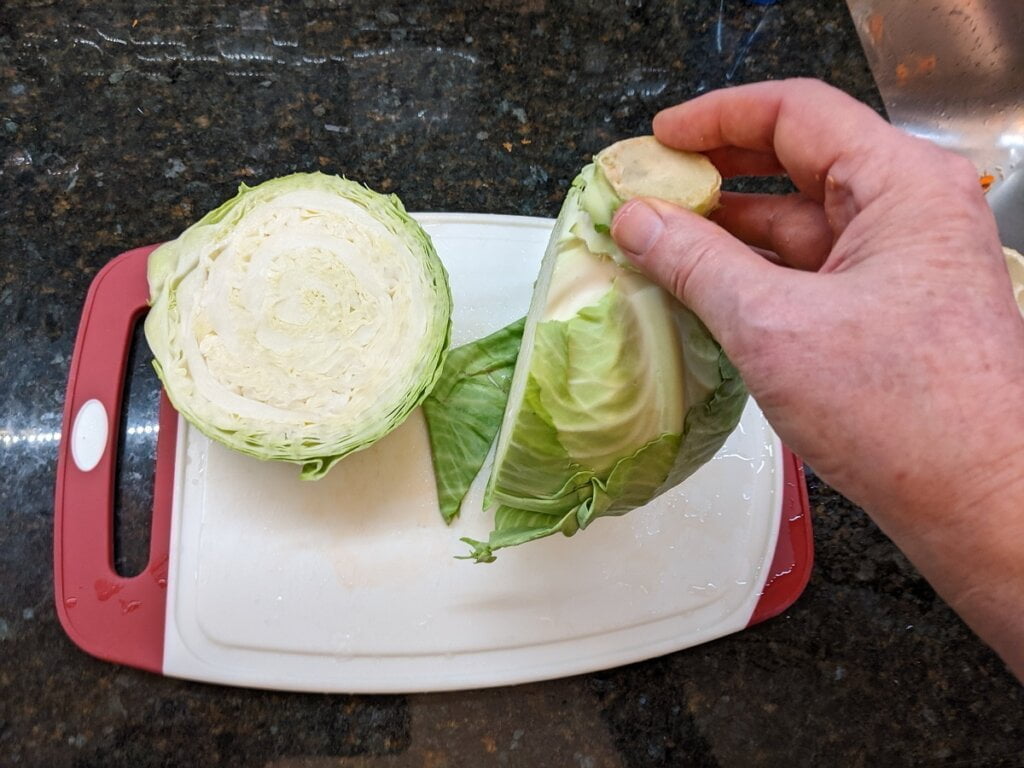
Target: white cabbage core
<point x="308" y="312"/>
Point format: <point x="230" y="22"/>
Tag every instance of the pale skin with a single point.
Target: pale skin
<point x="872" y="318"/>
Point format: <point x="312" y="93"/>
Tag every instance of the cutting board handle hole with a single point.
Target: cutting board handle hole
<point x="138" y="429"/>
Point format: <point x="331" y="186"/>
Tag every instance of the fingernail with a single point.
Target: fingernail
<point x="637" y="227"/>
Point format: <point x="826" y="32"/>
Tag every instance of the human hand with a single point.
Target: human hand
<point x="880" y="336"/>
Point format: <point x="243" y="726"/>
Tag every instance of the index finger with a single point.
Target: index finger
<point x="807" y="125"/>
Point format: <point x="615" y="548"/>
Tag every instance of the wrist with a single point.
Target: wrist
<point x="970" y="547"/>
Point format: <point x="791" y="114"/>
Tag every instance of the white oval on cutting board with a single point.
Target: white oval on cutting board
<point x="351" y="583"/>
<point x="89" y="434"/>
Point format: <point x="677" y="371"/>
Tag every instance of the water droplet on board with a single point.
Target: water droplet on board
<point x="71" y="602"/>
<point x="129" y="606"/>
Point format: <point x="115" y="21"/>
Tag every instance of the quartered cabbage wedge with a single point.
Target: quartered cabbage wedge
<point x="300" y="321"/>
<point x="619" y="392"/>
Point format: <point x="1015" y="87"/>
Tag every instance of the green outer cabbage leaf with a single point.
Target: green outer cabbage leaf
<point x="355" y="236"/>
<point x="463" y="411"/>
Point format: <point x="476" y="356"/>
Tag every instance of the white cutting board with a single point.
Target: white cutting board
<point x="351" y="583"/>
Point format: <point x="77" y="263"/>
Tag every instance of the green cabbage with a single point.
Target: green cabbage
<point x="300" y="321"/>
<point x="619" y="392"/>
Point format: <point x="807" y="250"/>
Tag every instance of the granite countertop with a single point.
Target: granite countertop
<point x="121" y="123"/>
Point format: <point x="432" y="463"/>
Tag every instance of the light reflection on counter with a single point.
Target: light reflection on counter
<point x="9" y="437"/>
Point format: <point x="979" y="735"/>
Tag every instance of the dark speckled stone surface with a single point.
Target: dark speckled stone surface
<point x="121" y="123"/>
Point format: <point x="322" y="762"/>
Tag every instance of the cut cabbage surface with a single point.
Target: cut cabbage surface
<point x="300" y="321"/>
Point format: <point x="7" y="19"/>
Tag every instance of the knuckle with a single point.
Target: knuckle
<point x="961" y="173"/>
<point x="942" y="178"/>
<point x="810" y="85"/>
<point x="800" y="211"/>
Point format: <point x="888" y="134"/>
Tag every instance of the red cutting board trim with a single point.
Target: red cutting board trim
<point x="794" y="550"/>
<point x="115" y="618"/>
<point x="122" y="619"/>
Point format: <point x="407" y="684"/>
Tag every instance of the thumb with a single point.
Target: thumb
<point x="705" y="267"/>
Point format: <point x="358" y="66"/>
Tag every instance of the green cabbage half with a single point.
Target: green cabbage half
<point x="300" y="321"/>
<point x="619" y="392"/>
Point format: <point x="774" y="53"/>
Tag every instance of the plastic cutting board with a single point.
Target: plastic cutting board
<point x="350" y="584"/>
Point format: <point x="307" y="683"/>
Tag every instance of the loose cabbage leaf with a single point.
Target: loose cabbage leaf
<point x="463" y="411"/>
